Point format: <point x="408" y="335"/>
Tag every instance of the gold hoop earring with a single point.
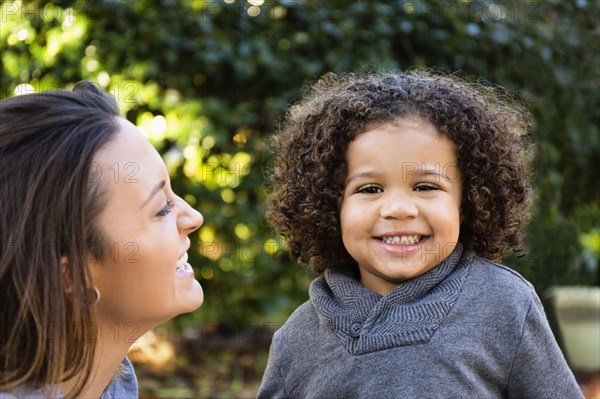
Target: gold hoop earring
<point x="97" y="292"/>
<point x="93" y="296"/>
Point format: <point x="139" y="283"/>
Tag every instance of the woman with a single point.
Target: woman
<point x="93" y="245"/>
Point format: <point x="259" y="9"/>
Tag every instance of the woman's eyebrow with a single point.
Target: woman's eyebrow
<point x="156" y="189"/>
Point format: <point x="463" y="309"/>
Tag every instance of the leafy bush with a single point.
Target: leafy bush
<point x="207" y="81"/>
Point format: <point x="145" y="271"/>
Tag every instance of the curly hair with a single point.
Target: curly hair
<point x="487" y="126"/>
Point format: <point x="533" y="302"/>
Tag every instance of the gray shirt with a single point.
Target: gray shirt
<point x="123" y="386"/>
<point x="467" y="328"/>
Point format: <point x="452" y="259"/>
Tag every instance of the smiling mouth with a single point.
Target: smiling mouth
<point x="411" y="239"/>
<point x="182" y="262"/>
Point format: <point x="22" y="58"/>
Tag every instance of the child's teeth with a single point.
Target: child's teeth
<point x="410" y="240"/>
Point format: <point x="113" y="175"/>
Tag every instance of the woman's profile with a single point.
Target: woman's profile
<point x="93" y="245"/>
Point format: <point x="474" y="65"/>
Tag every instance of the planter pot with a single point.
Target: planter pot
<point x="578" y="314"/>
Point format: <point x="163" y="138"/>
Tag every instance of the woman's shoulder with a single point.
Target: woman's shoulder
<point x="124" y="383"/>
<point x="26" y="391"/>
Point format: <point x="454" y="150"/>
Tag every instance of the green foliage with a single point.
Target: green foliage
<point x="207" y="81"/>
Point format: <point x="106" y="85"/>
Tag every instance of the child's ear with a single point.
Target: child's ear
<point x="66" y="274"/>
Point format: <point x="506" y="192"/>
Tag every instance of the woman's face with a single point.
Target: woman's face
<point x="144" y="278"/>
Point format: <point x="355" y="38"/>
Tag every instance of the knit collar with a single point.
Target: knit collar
<point x="409" y="314"/>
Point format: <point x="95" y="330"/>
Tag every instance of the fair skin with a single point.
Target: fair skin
<point x="144" y="278"/>
<point x="400" y="210"/>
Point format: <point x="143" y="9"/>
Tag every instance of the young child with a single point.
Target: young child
<point x="402" y="190"/>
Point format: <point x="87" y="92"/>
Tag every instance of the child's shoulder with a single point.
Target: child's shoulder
<point x="495" y="295"/>
<point x="303" y="317"/>
<point x="500" y="272"/>
<point x="491" y="276"/>
<point x="302" y="326"/>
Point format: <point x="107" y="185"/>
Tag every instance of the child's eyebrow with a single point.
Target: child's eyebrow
<point x="426" y="172"/>
<point x="361" y="175"/>
<point x="436" y="173"/>
<point x="409" y="170"/>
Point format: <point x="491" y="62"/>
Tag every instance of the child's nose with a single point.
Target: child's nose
<point x="399" y="206"/>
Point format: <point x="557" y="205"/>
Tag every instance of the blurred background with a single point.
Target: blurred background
<point x="207" y="82"/>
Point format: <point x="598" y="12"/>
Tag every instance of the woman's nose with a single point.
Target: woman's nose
<point x="190" y="219"/>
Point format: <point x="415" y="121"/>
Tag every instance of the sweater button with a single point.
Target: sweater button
<point x="355" y="329"/>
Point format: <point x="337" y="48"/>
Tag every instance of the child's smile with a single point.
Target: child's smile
<point x="402" y="243"/>
<point x="411" y="239"/>
<point x="400" y="211"/>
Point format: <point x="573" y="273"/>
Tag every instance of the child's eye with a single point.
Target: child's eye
<point x="369" y="189"/>
<point x="167" y="208"/>
<point x="426" y="187"/>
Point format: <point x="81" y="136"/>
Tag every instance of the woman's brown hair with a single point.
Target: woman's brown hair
<point x="50" y="198"/>
<point x="486" y="125"/>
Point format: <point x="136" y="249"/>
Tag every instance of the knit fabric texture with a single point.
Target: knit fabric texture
<point x="467" y="328"/>
<point x="413" y="310"/>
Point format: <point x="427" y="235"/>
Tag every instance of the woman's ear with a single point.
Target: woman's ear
<point x="66" y="273"/>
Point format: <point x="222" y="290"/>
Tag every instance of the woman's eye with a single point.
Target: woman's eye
<point x="167" y="208"/>
<point x="369" y="189"/>
<point x="426" y="187"/>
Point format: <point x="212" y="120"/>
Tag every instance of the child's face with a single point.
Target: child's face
<point x="400" y="210"/>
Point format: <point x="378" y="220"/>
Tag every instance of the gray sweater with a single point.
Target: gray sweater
<point x="467" y="328"/>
